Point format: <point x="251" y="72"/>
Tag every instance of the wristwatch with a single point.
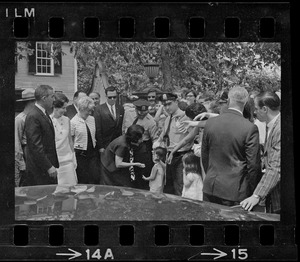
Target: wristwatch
<point x="256" y="196"/>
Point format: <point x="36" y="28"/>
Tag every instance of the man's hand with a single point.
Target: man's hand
<point x="52" y="172"/>
<point x="145" y="178"/>
<point x="205" y="114"/>
<point x="249" y="203"/>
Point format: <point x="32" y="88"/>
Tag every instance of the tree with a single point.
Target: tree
<point x="207" y="67"/>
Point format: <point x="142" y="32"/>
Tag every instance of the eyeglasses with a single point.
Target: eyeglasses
<point x="111" y="97"/>
<point x="151" y="96"/>
<point x="167" y="103"/>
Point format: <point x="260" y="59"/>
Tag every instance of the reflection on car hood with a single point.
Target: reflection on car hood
<point x="109" y="203"/>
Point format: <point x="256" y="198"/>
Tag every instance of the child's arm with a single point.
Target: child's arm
<point x="153" y="174"/>
<point x="188" y="179"/>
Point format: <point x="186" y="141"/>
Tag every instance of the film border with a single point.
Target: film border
<point x="178" y="14"/>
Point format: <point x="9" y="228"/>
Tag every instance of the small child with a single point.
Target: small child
<point x="157" y="178"/>
<point x="192" y="177"/>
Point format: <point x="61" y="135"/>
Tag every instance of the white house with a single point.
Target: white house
<point x="39" y="68"/>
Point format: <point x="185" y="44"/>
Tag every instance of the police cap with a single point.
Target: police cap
<point x="168" y="97"/>
<point x="141" y="104"/>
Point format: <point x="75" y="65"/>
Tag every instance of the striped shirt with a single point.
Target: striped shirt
<point x="79" y="131"/>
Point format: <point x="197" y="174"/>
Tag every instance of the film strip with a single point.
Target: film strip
<point x="163" y="231"/>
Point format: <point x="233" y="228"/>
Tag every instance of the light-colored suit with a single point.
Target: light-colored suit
<point x="269" y="185"/>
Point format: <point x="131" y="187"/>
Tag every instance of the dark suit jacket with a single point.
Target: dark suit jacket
<point x="107" y="129"/>
<point x="230" y="156"/>
<point x="41" y="151"/>
<point x="70" y="111"/>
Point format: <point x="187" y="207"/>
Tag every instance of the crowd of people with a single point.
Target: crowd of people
<point x="226" y="152"/>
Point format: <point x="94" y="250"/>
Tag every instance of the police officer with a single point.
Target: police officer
<point x="144" y="152"/>
<point x="169" y="138"/>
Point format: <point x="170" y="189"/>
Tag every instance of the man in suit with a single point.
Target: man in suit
<point x="109" y="119"/>
<point x="72" y="110"/>
<point x="41" y="156"/>
<point x="267" y="109"/>
<point x="230" y="153"/>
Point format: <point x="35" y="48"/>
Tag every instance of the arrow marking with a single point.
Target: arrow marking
<point x="218" y="255"/>
<point x="74" y="254"/>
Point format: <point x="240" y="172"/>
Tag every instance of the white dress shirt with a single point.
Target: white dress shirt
<point x="114" y="107"/>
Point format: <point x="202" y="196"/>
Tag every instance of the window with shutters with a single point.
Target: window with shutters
<point x="40" y="63"/>
<point x="44" y="62"/>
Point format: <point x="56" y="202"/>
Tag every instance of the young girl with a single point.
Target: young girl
<point x="157" y="178"/>
<point x="192" y="177"/>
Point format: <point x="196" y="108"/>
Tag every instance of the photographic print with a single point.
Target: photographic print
<point x="146" y="131"/>
<point x="143" y="84"/>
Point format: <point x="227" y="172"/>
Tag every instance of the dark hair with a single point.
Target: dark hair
<point x="269" y="99"/>
<point x="59" y="100"/>
<point x="192" y="163"/>
<point x="248" y="111"/>
<point x="110" y="89"/>
<point x="194" y="109"/>
<point x="161" y="152"/>
<point x="215" y="107"/>
<point x="191" y="91"/>
<point x="134" y="134"/>
<point x="76" y="94"/>
<point x="182" y="105"/>
<point x="42" y="90"/>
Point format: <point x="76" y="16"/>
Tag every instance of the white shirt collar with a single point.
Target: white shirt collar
<point x="114" y="107"/>
<point x="236" y="110"/>
<point x="76" y="108"/>
<point x="109" y="106"/>
<point x="40" y="107"/>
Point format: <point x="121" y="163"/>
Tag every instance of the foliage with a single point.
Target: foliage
<point x="208" y="68"/>
<point x="23" y="49"/>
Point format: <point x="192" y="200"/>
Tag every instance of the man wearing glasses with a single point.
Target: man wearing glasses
<point x="109" y="119"/>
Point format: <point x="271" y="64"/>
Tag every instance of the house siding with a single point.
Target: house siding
<point x="64" y="82"/>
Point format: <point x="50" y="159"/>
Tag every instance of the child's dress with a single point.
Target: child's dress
<point x="192" y="186"/>
<point x="157" y="181"/>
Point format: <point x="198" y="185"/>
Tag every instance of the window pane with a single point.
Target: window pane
<point x="43" y="59"/>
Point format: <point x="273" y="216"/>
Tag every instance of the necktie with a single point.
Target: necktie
<point x="135" y="121"/>
<point x="266" y="137"/>
<point x="113" y="112"/>
<point x="49" y="118"/>
<point x="166" y="136"/>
